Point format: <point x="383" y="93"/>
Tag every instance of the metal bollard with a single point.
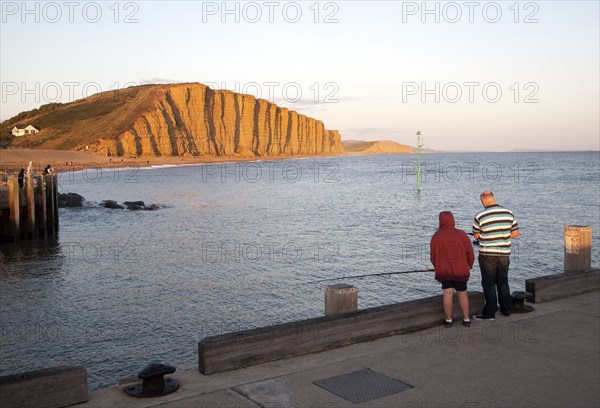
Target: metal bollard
<point x="154" y="384"/>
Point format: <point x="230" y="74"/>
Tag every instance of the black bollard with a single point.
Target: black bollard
<point x="518" y="302"/>
<point x="154" y="384"/>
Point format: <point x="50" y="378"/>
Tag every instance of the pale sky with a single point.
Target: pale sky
<point x="506" y="75"/>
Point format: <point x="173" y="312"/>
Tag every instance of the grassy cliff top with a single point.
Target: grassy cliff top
<point x="73" y="125"/>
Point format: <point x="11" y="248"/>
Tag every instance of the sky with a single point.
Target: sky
<point x="470" y="75"/>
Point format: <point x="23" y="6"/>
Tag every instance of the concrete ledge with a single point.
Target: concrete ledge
<point x="48" y="388"/>
<point x="250" y="347"/>
<point x="562" y="285"/>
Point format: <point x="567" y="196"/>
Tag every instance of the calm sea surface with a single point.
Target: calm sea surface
<point x="234" y="244"/>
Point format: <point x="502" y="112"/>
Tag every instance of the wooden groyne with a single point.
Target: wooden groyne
<point x="30" y="211"/>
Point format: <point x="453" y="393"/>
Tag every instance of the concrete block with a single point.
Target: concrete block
<point x="562" y="285"/>
<point x="48" y="388"/>
<point x="250" y="347"/>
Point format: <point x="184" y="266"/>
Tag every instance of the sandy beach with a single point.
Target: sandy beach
<point x="11" y="160"/>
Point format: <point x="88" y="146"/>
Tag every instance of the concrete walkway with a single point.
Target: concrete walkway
<point x="548" y="358"/>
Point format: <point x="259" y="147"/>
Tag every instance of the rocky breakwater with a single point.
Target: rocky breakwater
<point x="130" y="205"/>
<point x="194" y="120"/>
<point x="74" y="200"/>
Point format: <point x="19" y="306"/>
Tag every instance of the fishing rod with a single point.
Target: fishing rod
<point x="426" y="227"/>
<point x="475" y="241"/>
<point x="369" y="274"/>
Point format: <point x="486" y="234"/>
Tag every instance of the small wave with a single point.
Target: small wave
<point x="159" y="166"/>
<point x="90" y="204"/>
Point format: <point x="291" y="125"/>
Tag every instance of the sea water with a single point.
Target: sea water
<point x="235" y="246"/>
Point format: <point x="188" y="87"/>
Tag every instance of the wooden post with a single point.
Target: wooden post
<point x="578" y="248"/>
<point x="43" y="222"/>
<point x="49" y="387"/>
<point x="14" y="209"/>
<point x="55" y="199"/>
<point x="49" y="203"/>
<point x="340" y="298"/>
<point x="49" y="213"/>
<point x="30" y="206"/>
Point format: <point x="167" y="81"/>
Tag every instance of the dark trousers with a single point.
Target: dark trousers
<point x="494" y="277"/>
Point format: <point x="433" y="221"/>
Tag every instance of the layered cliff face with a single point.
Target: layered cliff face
<point x="176" y="120"/>
<point x="192" y="119"/>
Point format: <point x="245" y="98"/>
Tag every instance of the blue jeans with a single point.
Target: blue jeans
<point x="494" y="277"/>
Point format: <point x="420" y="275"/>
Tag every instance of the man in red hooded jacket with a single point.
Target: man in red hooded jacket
<point x="452" y="256"/>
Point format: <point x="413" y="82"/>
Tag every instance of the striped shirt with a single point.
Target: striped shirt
<point x="494" y="224"/>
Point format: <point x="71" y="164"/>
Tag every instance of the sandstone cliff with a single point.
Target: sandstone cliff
<point x="180" y="120"/>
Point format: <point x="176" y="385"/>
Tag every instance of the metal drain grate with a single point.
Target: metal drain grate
<point x="362" y="386"/>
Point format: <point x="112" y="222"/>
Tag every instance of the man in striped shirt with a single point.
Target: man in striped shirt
<point x="494" y="227"/>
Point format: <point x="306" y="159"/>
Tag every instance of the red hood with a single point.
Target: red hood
<point x="446" y="220"/>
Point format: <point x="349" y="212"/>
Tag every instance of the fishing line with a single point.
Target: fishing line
<point x="369" y="274"/>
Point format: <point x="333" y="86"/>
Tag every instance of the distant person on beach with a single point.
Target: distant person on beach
<point x="494" y="227"/>
<point x="21" y="178"/>
<point x="451" y="254"/>
<point x="47" y="170"/>
<point x="30" y="169"/>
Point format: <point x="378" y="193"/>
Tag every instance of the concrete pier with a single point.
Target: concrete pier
<point x="547" y="358"/>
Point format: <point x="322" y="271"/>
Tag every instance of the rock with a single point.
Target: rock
<point x="134" y="205"/>
<point x="111" y="204"/>
<point x="138" y="203"/>
<point x="70" y="200"/>
<point x="130" y="205"/>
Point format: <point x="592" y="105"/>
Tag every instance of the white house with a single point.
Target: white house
<point x="22" y="131"/>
